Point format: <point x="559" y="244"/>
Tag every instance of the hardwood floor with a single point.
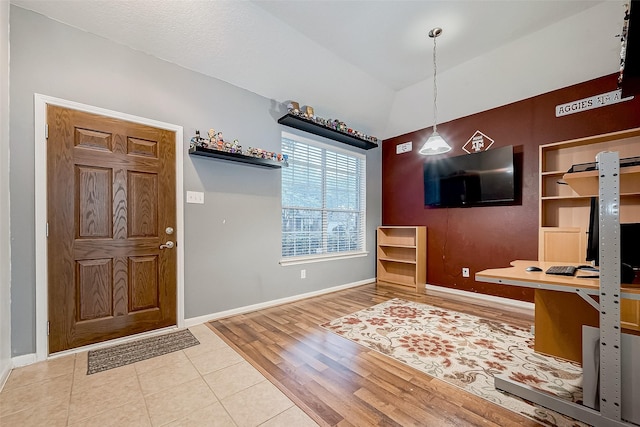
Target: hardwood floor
<point x="339" y="383"/>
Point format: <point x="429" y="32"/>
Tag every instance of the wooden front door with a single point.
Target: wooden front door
<point x="110" y="203"/>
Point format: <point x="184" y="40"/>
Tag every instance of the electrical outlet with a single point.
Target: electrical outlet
<point x="303" y="274"/>
<point x="465" y="272"/>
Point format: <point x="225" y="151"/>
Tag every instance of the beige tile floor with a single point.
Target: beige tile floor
<point x="205" y="385"/>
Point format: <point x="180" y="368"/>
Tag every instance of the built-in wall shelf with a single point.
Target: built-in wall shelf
<point x="565" y="197"/>
<point x="235" y="157"/>
<point x="564" y="210"/>
<point x="586" y="183"/>
<point x="301" y="123"/>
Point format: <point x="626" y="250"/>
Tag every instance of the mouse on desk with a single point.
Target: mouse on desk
<point x="533" y="268"/>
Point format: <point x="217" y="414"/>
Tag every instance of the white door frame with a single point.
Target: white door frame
<point x="40" y="159"/>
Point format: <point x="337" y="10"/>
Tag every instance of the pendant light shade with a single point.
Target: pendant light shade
<point x="435" y="144"/>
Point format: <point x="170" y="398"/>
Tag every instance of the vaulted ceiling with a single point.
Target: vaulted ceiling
<point x="368" y="62"/>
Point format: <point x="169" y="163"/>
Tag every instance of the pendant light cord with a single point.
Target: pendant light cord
<point x="435" y="144"/>
<point x="435" y="88"/>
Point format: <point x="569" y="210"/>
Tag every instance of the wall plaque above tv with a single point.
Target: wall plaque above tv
<point x="479" y="179"/>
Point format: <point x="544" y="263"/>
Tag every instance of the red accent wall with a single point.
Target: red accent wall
<point x="492" y="236"/>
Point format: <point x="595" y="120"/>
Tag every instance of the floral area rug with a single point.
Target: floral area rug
<point x="465" y="351"/>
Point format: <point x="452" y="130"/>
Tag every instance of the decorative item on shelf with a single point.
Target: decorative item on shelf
<point x="236" y="147"/>
<point x="293" y="107"/>
<point x="307" y="113"/>
<point x="198" y="141"/>
<point x="624" y="36"/>
<point x="435" y="144"/>
<point x="215" y="142"/>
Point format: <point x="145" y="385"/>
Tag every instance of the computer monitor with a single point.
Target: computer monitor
<point x="629" y="236"/>
<point x="593" y="233"/>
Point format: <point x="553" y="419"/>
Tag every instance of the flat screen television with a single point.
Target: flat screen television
<point x="478" y="179"/>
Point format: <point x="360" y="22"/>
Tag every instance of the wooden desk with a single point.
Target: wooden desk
<point x="561" y="304"/>
<point x="612" y="374"/>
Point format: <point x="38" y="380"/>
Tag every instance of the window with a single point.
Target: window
<point x="323" y="200"/>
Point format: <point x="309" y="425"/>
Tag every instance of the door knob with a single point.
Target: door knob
<point x="167" y="245"/>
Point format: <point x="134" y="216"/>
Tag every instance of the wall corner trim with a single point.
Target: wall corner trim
<point x="24" y="360"/>
<point x="4" y="374"/>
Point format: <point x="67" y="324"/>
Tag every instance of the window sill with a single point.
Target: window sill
<point x="322" y="258"/>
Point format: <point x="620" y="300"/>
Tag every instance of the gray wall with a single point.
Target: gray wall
<point x="232" y="242"/>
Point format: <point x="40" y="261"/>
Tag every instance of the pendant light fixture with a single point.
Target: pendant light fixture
<point x="435" y="144"/>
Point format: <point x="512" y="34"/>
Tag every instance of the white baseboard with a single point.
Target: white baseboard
<point x="483" y="297"/>
<point x="24" y="360"/>
<point x="249" y="308"/>
<point x="28" y="359"/>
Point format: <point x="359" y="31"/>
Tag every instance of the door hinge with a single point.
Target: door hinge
<point x="46" y="131"/>
<point x="48" y="328"/>
<point x="47" y="230"/>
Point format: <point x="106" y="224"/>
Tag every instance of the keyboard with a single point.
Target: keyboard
<point x="562" y="270"/>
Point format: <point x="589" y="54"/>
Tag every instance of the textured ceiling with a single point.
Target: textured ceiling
<point x="342" y="57"/>
<point x="389" y="39"/>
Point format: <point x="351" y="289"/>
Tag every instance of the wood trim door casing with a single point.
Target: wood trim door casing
<point x="40" y="160"/>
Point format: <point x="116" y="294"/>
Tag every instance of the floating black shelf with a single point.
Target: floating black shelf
<point x="318" y="129"/>
<point x="235" y="157"/>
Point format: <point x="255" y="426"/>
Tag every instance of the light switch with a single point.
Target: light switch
<point x="195" y="197"/>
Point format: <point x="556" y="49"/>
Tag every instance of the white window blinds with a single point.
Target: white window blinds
<point x="323" y="200"/>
